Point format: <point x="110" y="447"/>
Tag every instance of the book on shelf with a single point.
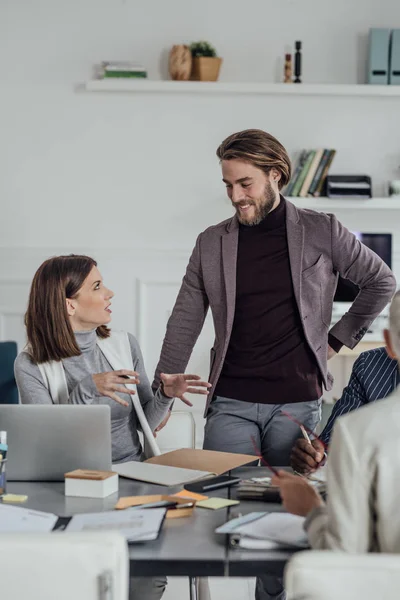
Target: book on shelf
<point x="299" y="165"/>
<point x="310" y="172"/>
<point x="303" y="173"/>
<point x="123" y="69"/>
<point x="321" y="182"/>
<point x="319" y="171"/>
<point x="125" y="74"/>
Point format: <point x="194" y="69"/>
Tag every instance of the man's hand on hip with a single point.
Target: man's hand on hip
<point x="331" y="352"/>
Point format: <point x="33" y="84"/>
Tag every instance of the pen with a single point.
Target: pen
<point x="169" y="504"/>
<point x="186" y="505"/>
<point x="307" y="429"/>
<point x="305" y="434"/>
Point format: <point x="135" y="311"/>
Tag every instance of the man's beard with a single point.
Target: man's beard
<point x="262" y="207"/>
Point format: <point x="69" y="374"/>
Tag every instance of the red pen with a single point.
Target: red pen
<point x="262" y="459"/>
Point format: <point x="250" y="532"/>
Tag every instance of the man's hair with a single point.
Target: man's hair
<point x="49" y="332"/>
<point x="394" y="324"/>
<point x="260" y="149"/>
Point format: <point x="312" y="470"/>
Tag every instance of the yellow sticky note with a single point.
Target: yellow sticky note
<point x="215" y="503"/>
<point x="191" y="495"/>
<point x="14" y="498"/>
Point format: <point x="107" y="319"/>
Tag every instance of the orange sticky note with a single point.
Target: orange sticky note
<point x="192" y="495"/>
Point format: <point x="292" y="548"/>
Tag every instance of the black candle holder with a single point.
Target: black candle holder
<point x="297" y="62"/>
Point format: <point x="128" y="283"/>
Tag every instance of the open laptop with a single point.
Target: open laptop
<point x="46" y="441"/>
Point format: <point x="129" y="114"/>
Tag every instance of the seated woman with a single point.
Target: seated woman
<point x="66" y="323"/>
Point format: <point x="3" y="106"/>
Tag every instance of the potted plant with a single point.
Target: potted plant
<point x="205" y="62"/>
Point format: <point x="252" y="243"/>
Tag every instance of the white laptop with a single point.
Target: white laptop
<point x="46" y="441"/>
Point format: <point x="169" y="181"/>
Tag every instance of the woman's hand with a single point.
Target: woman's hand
<point x="175" y="386"/>
<point x="109" y="383"/>
<point x="298" y="496"/>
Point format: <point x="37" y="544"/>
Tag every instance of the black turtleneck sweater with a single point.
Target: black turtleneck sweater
<point x="268" y="359"/>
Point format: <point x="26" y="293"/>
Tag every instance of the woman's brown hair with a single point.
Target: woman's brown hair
<point x="48" y="328"/>
<point x="260" y="149"/>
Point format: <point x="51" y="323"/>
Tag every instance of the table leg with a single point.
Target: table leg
<point x="193" y="588"/>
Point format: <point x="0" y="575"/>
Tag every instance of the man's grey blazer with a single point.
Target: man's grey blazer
<point x="320" y="248"/>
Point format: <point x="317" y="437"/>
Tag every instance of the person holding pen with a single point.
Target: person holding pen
<point x="361" y="514"/>
<point x="69" y="359"/>
<point x="374" y="376"/>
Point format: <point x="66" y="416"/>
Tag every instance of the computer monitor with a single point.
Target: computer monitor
<point x="381" y="244"/>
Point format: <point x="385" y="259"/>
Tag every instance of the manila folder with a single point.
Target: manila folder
<point x="202" y="460"/>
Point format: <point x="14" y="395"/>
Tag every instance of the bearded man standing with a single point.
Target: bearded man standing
<point x="269" y="275"/>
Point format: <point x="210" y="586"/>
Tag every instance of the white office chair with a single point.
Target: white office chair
<point x="179" y="432"/>
<point x="82" y="566"/>
<point x="325" y="575"/>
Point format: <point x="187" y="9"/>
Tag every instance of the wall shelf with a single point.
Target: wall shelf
<point x="206" y="87"/>
<point x="328" y="204"/>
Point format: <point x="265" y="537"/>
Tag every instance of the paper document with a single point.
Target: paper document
<point x="248" y="543"/>
<point x="160" y="474"/>
<point x="216" y="503"/>
<point x="137" y="525"/>
<point x="15" y="519"/>
<point x="276" y="529"/>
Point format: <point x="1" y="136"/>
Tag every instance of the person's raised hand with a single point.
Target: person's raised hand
<point x="177" y="385"/>
<point x="111" y="382"/>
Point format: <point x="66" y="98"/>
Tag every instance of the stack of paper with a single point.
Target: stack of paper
<point x="267" y="531"/>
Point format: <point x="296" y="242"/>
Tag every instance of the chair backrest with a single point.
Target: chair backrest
<point x="179" y="432"/>
<point x="82" y="566"/>
<point x="325" y="575"/>
<point x="8" y="387"/>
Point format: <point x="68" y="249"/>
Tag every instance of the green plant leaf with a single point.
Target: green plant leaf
<point x="202" y="48"/>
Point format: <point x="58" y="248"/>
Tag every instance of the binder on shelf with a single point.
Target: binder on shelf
<point x="378" y="58"/>
<point x="394" y="72"/>
<point x="348" y="186"/>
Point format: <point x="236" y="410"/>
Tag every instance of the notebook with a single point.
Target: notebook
<point x="182" y="466"/>
<point x="159" y="474"/>
<point x="267" y="531"/>
<point x="136" y="525"/>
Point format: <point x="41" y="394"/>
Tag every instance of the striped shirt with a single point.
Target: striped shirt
<point x="374" y="376"/>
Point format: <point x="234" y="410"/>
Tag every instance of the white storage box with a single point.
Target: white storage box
<point x="91" y="484"/>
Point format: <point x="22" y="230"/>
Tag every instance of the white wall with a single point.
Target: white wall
<point x="124" y="170"/>
<point x="133" y="179"/>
